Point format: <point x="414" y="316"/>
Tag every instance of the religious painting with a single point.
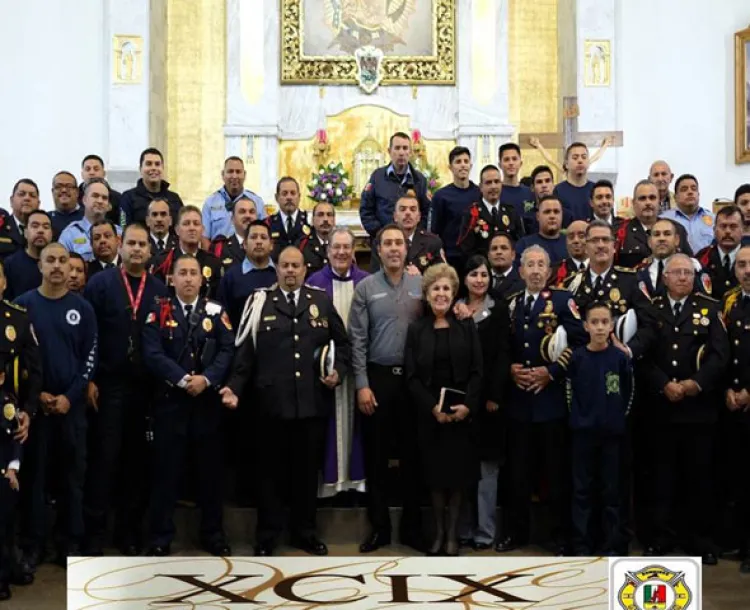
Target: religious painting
<point x="127" y="66"/>
<point x="338" y="41"/>
<point x="597" y="59"/>
<point x="742" y="96"/>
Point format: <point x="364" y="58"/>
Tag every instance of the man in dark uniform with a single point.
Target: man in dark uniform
<point x="23" y="201"/>
<point x="718" y="259"/>
<point x="22" y="268"/>
<point x="736" y="310"/>
<point x="188" y="344"/>
<point x="423" y="249"/>
<point x="151" y="185"/>
<point x="65" y="197"/>
<point x="314" y="247"/>
<point x="289" y="225"/>
<point x="104" y="242"/>
<point x="664" y="242"/>
<point x="231" y="250"/>
<point x="388" y="183"/>
<point x="632" y="234"/>
<point x="575" y="242"/>
<point x="10" y="463"/>
<point x="602" y="280"/>
<point x="120" y="395"/>
<point x="603" y="204"/>
<point x="502" y="258"/>
<point x="290" y="323"/>
<point x="537" y="412"/>
<point x="189" y="233"/>
<point x="685" y="356"/>
<point x="159" y="224"/>
<point x="21" y="367"/>
<point x="485" y="218"/>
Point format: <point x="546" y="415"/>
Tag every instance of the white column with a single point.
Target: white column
<point x="598" y="104"/>
<point x="127" y="129"/>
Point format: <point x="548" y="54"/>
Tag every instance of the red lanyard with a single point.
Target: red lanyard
<point x="134" y="303"/>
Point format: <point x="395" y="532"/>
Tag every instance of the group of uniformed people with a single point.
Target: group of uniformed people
<point x="196" y="314"/>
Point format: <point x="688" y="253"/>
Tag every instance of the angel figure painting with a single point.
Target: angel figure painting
<point x="336" y="28"/>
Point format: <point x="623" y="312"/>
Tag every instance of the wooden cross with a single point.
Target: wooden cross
<point x="570" y="131"/>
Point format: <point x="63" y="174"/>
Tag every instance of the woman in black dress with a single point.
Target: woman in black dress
<point x="491" y="317"/>
<point x="442" y="351"/>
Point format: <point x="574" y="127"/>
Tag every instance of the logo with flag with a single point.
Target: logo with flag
<point x="654" y="597"/>
<point x="655" y="588"/>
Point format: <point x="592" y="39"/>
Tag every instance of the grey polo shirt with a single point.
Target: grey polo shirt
<point x="380" y="315"/>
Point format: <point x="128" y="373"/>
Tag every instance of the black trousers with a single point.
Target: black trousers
<point x="289" y="457"/>
<point x="597" y="466"/>
<point x="118" y="459"/>
<point x="743" y="487"/>
<point x="527" y="443"/>
<point x="60" y="439"/>
<point x="388" y="433"/>
<point x="8" y="502"/>
<point x="683" y="486"/>
<point x="182" y="423"/>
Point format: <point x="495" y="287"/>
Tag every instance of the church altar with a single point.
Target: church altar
<point x="221" y="78"/>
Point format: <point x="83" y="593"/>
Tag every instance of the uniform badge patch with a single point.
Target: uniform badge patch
<point x="574" y="309"/>
<point x="612" y="381"/>
<point x="207" y="272"/>
<point x="10" y="332"/>
<point x="225" y="320"/>
<point x="9" y="411"/>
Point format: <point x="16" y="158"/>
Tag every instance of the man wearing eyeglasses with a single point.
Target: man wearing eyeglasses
<point x="67" y="209"/>
<point x="685" y="352"/>
<point x="601" y="280"/>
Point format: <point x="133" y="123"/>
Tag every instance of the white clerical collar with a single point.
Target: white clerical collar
<point x="346" y="276"/>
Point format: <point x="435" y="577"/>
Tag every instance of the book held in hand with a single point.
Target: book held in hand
<point x="325" y="358"/>
<point x="450" y="398"/>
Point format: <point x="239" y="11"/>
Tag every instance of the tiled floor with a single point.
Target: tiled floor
<point x="724" y="588"/>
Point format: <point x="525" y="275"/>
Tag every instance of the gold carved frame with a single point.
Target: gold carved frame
<point x="437" y="69"/>
<point x="742" y="88"/>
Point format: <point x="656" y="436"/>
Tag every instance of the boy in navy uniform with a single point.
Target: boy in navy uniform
<point x="599" y="394"/>
<point x="10" y="463"/>
<point x="536" y="414"/>
<point x="67" y="324"/>
<point x="188" y="344"/>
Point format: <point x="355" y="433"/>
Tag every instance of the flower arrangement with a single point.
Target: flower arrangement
<point x="432" y="176"/>
<point x="330" y="184"/>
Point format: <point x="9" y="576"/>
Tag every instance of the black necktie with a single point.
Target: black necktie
<point x="188" y="311"/>
<point x="527" y="307"/>
<point x="160" y="245"/>
<point x="494" y="216"/>
<point x="727" y="265"/>
<point x="677" y="309"/>
<point x="288" y="226"/>
<point x="659" y="275"/>
<point x="292" y="302"/>
<point x="745" y="301"/>
<point x="598" y="285"/>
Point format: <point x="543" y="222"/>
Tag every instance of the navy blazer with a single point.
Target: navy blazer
<point x="169" y="355"/>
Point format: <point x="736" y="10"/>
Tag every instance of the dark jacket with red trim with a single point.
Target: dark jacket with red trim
<point x="632" y="243"/>
<point x="711" y="259"/>
<point x="162" y="265"/>
<point x="228" y="250"/>
<point x="426" y="249"/>
<point x="315" y="253"/>
<point x="477" y="227"/>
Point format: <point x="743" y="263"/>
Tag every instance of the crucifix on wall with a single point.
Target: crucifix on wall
<point x="570" y="133"/>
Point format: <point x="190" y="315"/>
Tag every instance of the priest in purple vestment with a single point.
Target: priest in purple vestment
<point x="344" y="465"/>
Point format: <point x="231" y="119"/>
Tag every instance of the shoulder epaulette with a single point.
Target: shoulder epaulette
<point x="315" y="288"/>
<point x="212" y="307"/>
<point x="558" y="288"/>
<point x="15" y="306"/>
<point x="705" y="297"/>
<point x="732" y="291"/>
<point x="624" y="269"/>
<point x="510" y="297"/>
